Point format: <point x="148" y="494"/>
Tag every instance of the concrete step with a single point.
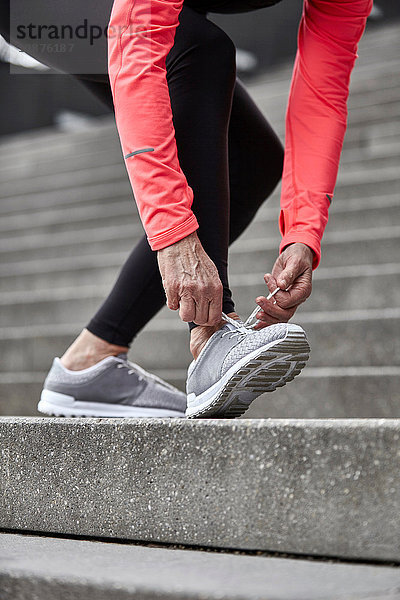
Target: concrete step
<point x="324" y="488"/>
<point x="42" y="166"/>
<point x="369" y="135"/>
<point x="117" y="237"/>
<point x="38" y="166"/>
<point x="122" y="222"/>
<point x="38" y="145"/>
<point x="346" y="247"/>
<point x="64" y="219"/>
<point x="37" y="244"/>
<point x="349" y="213"/>
<point x="60" y="181"/>
<point x="123" y="238"/>
<point x="369" y="337"/>
<point x="107" y="193"/>
<point x="249" y="254"/>
<point x="380" y="105"/>
<point x="379" y="180"/>
<point x="113" y="239"/>
<point x="66" y="276"/>
<point x="319" y="393"/>
<point x="337" y="249"/>
<point x="360" y="131"/>
<point x="70" y="569"/>
<point x="277" y="81"/>
<point x="330" y="393"/>
<point x="97" y="165"/>
<point x="343" y="215"/>
<point x="336" y="288"/>
<point x="94" y="174"/>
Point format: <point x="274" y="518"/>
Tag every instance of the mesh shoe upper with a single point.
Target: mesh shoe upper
<point x="225" y="348"/>
<point x="115" y="380"/>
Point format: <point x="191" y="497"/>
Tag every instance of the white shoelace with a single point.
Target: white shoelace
<point x="242" y="328"/>
<point x="130" y="371"/>
<point x="143" y="374"/>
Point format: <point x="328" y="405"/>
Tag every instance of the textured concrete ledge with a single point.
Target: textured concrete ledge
<point x="327" y="488"/>
<point x="49" y="568"/>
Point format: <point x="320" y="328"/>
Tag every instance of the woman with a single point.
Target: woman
<point x="175" y="92"/>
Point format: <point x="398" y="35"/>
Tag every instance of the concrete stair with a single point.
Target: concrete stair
<point x="48" y="568"/>
<point x="307" y="487"/>
<point x="68" y="221"/>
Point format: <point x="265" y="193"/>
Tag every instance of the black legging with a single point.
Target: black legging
<point x="229" y="153"/>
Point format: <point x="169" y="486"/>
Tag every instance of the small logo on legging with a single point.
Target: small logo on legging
<point x="139" y="152"/>
<point x="329" y="198"/>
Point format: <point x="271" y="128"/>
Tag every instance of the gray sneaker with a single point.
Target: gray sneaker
<point x="114" y="387"/>
<point x="238" y="364"/>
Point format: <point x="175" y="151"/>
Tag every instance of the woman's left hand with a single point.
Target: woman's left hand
<point x="293" y="270"/>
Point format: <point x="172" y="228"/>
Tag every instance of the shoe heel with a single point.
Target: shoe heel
<point x="55" y="403"/>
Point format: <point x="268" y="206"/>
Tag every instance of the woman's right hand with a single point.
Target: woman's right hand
<point x="191" y="281"/>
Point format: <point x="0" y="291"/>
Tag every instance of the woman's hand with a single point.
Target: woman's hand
<point x="293" y="270"/>
<point x="191" y="281"/>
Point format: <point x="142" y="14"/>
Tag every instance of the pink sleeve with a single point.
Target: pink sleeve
<point x="140" y="35"/>
<point x="316" y="117"/>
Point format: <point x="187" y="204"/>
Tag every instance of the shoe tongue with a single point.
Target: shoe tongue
<point x="232" y="327"/>
<point x="229" y="327"/>
<point x="123" y="355"/>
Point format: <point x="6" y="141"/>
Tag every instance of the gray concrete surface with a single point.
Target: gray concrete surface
<point x="327" y="488"/>
<point x="48" y="568"/>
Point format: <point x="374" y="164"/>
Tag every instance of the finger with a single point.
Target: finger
<point x="275" y="293"/>
<point x="187" y="309"/>
<point x="201" y="316"/>
<point x="215" y="311"/>
<point x="298" y="292"/>
<point x="266" y="321"/>
<point x="172" y="298"/>
<point x="214" y="296"/>
<point x="274" y="311"/>
<point x="287" y="274"/>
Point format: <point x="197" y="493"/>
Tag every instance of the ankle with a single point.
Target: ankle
<point x="87" y="350"/>
<point x="200" y="335"/>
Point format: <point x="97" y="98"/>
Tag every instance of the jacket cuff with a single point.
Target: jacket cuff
<point x="167" y="238"/>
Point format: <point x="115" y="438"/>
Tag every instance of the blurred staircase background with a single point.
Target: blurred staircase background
<point x="68" y="221"/>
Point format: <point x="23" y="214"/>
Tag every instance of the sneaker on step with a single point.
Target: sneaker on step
<point x="114" y="387"/>
<point x="237" y="364"/>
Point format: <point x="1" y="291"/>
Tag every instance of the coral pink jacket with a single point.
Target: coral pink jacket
<point x="140" y="35"/>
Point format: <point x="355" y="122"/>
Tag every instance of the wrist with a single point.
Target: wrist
<point x="188" y="241"/>
<point x="306" y="250"/>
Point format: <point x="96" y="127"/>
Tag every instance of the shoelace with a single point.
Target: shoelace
<point x="131" y="371"/>
<point x="144" y="375"/>
<point x="242" y="327"/>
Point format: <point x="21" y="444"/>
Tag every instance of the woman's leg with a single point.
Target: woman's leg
<point x="201" y="79"/>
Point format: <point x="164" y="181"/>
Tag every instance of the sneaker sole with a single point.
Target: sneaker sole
<point x="61" y="405"/>
<point x="264" y="370"/>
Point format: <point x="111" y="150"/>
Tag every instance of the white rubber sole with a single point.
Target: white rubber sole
<point x="263" y="370"/>
<point x="62" y="405"/>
